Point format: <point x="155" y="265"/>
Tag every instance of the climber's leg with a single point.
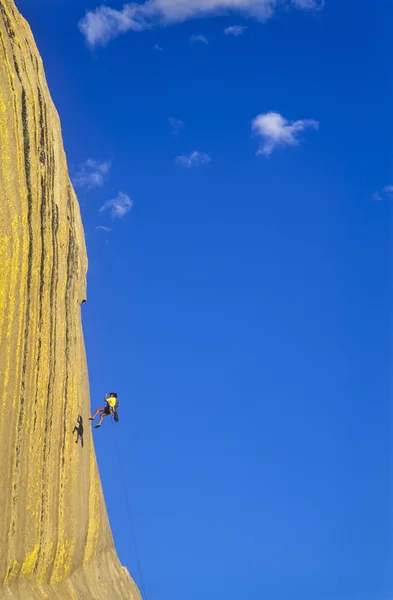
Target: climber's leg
<point x="103" y="415"/>
<point x="99" y="410"/>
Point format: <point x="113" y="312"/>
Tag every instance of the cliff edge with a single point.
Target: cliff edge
<point x="55" y="539"/>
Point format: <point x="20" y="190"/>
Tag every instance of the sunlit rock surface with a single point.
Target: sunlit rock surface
<point x="55" y="539"/>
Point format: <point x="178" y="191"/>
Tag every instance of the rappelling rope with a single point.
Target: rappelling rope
<point x="128" y="504"/>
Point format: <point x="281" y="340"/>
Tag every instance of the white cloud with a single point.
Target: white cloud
<point x="198" y="38"/>
<point x="119" y="206"/>
<point x="176" y="124"/>
<point x="194" y="159"/>
<point x="308" y="4"/>
<point x="274" y="131"/>
<point x="235" y="30"/>
<point x="92" y="174"/>
<point x="101" y="25"/>
<point x="386" y="192"/>
<point x="158" y="47"/>
<point x="103" y="228"/>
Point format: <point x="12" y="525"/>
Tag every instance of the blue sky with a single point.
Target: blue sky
<point x="242" y="292"/>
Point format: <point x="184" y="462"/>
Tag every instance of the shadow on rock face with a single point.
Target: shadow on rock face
<point x="79" y="429"/>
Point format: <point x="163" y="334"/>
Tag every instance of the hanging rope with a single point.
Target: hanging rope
<point x="102" y="374"/>
<point x="129" y="511"/>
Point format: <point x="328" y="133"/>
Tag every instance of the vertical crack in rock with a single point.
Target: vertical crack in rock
<point x="26" y="146"/>
<point x="42" y="155"/>
<point x="71" y="270"/>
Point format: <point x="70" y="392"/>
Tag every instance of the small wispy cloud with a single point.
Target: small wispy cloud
<point x="235" y="30"/>
<point x="158" y="47"/>
<point x="386" y="192"/>
<point x="103" y="228"/>
<point x="194" y="159"/>
<point x="177" y="125"/>
<point x="274" y="131"/>
<point x="92" y="174"/>
<point x="119" y="206"/>
<point x="104" y="23"/>
<point x="309" y="4"/>
<point x="198" y="39"/>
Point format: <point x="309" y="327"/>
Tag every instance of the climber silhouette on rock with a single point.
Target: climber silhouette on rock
<point x="111" y="407"/>
<point x="79" y="430"/>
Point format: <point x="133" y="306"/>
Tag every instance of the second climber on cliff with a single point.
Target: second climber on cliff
<point x="111" y="407"/>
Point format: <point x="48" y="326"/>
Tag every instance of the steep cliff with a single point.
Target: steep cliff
<point x="55" y="539"/>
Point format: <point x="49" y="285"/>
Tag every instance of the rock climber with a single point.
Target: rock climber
<point x="112" y="404"/>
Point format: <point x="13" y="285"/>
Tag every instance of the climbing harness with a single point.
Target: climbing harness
<point x="113" y="416"/>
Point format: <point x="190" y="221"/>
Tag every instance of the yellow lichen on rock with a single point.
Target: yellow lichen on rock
<point x="55" y="539"/>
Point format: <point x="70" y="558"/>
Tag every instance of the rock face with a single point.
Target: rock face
<point x="55" y="539"/>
